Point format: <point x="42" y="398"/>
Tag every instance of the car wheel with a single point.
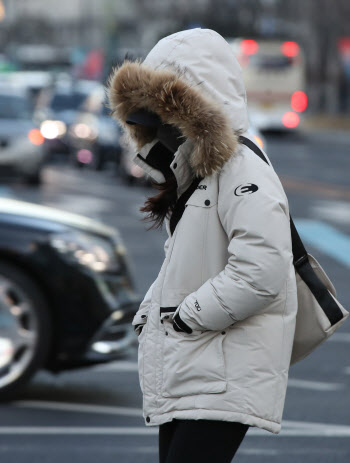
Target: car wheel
<point x="25" y="330"/>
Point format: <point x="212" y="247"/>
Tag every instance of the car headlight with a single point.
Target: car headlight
<point x="91" y="251"/>
<point x="53" y="129"/>
<point x="84" y="131"/>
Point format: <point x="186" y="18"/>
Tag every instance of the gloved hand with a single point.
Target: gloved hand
<point x="136" y="323"/>
<point x="180" y="326"/>
<point x="138" y="328"/>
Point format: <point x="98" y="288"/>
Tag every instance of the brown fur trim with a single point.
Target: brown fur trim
<point x="135" y="86"/>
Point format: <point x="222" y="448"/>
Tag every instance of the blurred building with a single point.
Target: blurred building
<point x="63" y="22"/>
<point x="134" y="26"/>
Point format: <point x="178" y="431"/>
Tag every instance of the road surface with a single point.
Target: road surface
<point x="94" y="415"/>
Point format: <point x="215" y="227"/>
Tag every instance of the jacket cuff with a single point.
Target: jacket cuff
<point x="180" y="313"/>
<point x="180" y="325"/>
<point x="139" y="319"/>
<point x="201" y="311"/>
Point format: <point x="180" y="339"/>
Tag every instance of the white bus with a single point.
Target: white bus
<point x="274" y="77"/>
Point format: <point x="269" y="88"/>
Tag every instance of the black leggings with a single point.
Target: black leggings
<point x="204" y="441"/>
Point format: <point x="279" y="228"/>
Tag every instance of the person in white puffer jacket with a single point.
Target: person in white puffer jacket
<point x="216" y="327"/>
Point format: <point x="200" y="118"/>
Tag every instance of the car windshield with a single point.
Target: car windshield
<point x="14" y="107"/>
<point x="66" y="101"/>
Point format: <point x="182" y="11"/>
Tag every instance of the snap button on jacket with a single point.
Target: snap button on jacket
<point x="228" y="265"/>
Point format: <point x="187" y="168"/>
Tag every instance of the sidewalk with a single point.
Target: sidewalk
<point x="326" y="121"/>
<point x="329" y="126"/>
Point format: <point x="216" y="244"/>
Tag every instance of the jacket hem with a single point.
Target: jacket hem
<point x="220" y="415"/>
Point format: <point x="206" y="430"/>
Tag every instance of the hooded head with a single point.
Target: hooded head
<point x="192" y="81"/>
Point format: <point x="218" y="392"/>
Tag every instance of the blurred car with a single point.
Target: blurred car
<point x="41" y="57"/>
<point x="274" y="74"/>
<point x="56" y="109"/>
<point x="66" y="294"/>
<point x="32" y="81"/>
<point x="21" y="142"/>
<point x="95" y="136"/>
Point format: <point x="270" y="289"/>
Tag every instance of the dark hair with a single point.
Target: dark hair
<point x="162" y="204"/>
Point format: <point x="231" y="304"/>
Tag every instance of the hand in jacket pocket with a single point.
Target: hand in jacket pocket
<point x="180" y="326"/>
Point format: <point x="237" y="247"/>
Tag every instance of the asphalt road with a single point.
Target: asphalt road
<point x="94" y="415"/>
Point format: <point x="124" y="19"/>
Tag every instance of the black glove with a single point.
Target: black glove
<point x="180" y="325"/>
<point x="139" y="326"/>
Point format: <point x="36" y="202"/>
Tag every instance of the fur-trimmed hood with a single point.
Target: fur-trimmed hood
<point x="193" y="81"/>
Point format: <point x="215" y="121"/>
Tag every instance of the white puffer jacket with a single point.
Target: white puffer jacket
<point x="228" y="269"/>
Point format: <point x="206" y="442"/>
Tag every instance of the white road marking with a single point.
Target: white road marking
<point x="314" y="385"/>
<point x="79" y="204"/>
<point x="311" y="429"/>
<point x="259" y="452"/>
<point x="97" y="187"/>
<point x="289" y="429"/>
<point x="336" y="211"/>
<point x="80" y="408"/>
<point x="153" y="449"/>
<point x="116" y="366"/>
<point x="254" y="451"/>
<point x="62" y="430"/>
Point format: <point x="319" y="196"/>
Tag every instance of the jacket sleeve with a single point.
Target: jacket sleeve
<point x="141" y="315"/>
<point x="259" y="250"/>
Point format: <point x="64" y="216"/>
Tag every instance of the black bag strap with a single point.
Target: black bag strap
<point x="301" y="260"/>
<point x="299" y="251"/>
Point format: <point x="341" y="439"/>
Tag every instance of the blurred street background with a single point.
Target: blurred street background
<point x="75" y="256"/>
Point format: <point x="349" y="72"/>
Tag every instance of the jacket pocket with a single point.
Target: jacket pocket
<point x="191" y="363"/>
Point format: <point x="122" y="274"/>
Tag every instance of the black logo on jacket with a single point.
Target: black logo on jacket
<point x="201" y="187"/>
<point x="197" y="306"/>
<point x="246" y="188"/>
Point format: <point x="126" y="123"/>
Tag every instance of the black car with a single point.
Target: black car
<point x="56" y="110"/>
<point x="66" y="293"/>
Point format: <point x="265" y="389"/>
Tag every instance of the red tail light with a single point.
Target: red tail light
<point x="249" y="47"/>
<point x="290" y="49"/>
<point x="299" y="101"/>
<point x="290" y="120"/>
<point x="35" y="137"/>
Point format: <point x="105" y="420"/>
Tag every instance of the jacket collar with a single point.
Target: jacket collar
<point x="180" y="165"/>
<point x="201" y="120"/>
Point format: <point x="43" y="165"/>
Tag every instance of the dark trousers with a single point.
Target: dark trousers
<point x="202" y="441"/>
